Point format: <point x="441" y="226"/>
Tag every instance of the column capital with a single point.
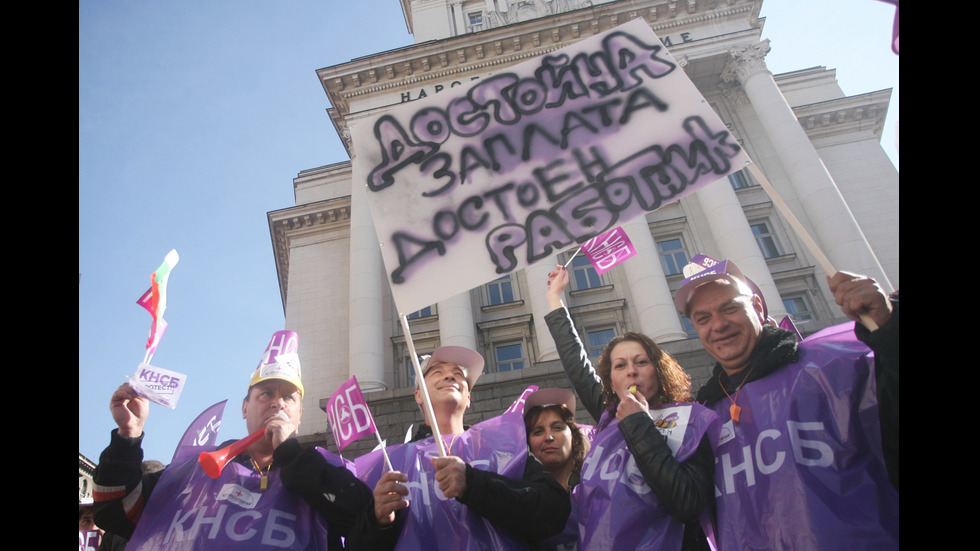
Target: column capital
<point x="745" y="60"/>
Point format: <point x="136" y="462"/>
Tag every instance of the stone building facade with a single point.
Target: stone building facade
<point x="819" y="149"/>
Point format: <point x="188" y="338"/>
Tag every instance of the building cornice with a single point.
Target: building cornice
<point x="863" y="112"/>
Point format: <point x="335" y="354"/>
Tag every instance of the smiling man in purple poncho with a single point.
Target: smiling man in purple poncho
<point x="807" y="457"/>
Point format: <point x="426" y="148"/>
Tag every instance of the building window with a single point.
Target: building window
<point x="409" y="372"/>
<point x="598" y="339"/>
<point x="739" y="180"/>
<point x="425" y="312"/>
<point x="798" y="309"/>
<point x="673" y="257"/>
<point x="475" y="19"/>
<point x="688" y="327"/>
<point x="764" y="237"/>
<point x="500" y="290"/>
<point x="583" y="274"/>
<point x="509" y="357"/>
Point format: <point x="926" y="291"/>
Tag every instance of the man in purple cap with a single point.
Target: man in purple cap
<point x="493" y="496"/>
<point x="800" y="462"/>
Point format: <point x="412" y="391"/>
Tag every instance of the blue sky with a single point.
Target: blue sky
<point x="193" y="120"/>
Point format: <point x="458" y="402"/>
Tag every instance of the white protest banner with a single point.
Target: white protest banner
<point x="487" y="178"/>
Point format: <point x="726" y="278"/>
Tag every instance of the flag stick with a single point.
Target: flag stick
<point x="801" y="231"/>
<point x="572" y="257"/>
<point x="381" y="443"/>
<point x="420" y="378"/>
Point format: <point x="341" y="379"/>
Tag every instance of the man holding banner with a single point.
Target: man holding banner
<point x="274" y="494"/>
<point x="799" y="457"/>
<point x="490" y="495"/>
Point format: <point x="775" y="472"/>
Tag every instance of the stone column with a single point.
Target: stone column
<point x="537" y="282"/>
<point x="365" y="314"/>
<point x="456" y="325"/>
<point x="831" y="221"/>
<point x="651" y="301"/>
<point x="732" y="232"/>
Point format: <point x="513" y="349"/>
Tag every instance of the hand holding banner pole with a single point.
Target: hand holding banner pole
<point x="420" y="377"/>
<point x="801" y="231"/>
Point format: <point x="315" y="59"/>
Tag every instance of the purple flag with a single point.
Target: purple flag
<point x="787" y="324"/>
<point x="518" y="405"/>
<point x="349" y="415"/>
<point x="201" y="435"/>
<point x="608" y="249"/>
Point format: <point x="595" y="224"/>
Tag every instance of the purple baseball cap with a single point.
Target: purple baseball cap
<point x="703" y="269"/>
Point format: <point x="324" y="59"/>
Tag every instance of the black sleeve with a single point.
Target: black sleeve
<point x="685" y="488"/>
<point x="121" y="489"/>
<point x="333" y="492"/>
<point x="535" y="507"/>
<point x="575" y="360"/>
<point x="884" y="343"/>
<point x="368" y="535"/>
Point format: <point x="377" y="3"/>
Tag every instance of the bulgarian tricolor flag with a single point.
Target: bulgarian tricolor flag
<point x="155" y="301"/>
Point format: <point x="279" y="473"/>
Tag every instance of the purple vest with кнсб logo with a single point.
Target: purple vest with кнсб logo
<point x="803" y="467"/>
<point x="190" y="511"/>
<point x="615" y="507"/>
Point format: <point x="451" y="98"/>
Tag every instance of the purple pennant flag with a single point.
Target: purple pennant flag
<point x="608" y="249"/>
<point x="787" y="324"/>
<point x="518" y="405"/>
<point x="201" y="435"/>
<point x="349" y="415"/>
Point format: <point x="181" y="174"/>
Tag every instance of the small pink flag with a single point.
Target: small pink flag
<point x="348" y="413"/>
<point x="608" y="249"/>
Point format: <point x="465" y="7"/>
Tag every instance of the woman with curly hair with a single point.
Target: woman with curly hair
<point x="647" y="481"/>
